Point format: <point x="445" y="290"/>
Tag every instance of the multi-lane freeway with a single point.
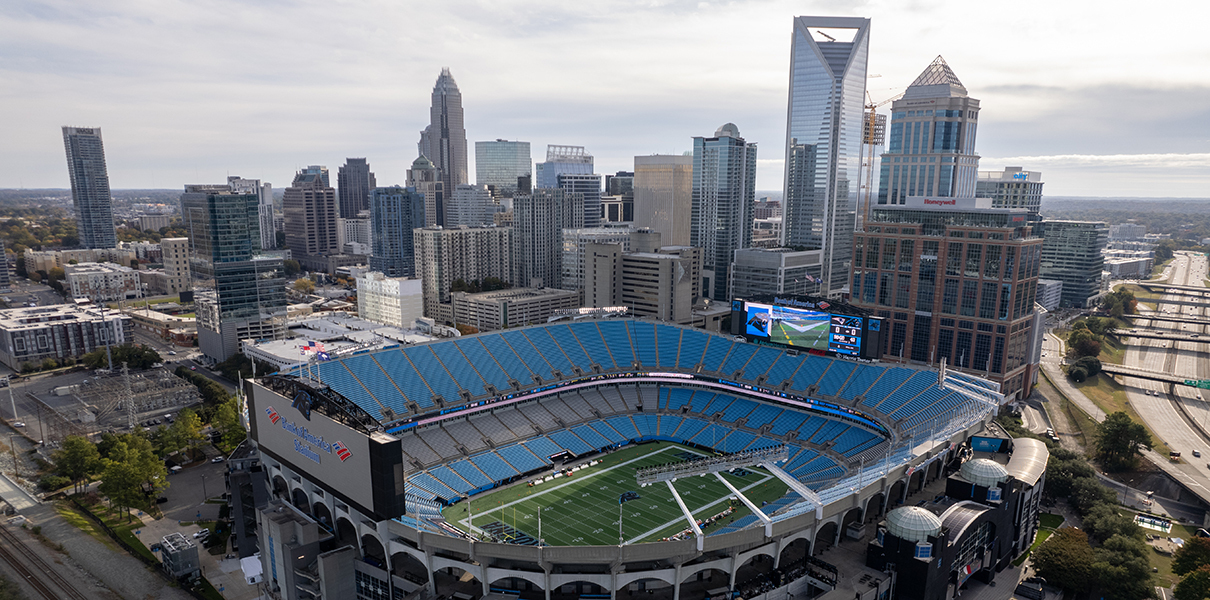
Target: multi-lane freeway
<point x="1167" y="409"/>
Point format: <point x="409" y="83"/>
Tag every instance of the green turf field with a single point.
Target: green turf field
<point x="801" y="334"/>
<point x="583" y="509"/>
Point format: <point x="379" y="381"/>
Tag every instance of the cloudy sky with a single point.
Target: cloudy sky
<point x="1101" y="98"/>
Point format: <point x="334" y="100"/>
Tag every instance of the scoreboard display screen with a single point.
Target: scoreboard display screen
<point x="818" y="326"/>
<point x="845" y="335"/>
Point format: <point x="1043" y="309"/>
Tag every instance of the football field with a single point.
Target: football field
<point x="583" y="509"/>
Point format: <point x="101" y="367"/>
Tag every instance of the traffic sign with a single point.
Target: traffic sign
<point x="1203" y="384"/>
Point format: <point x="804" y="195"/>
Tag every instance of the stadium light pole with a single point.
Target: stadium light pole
<point x="621" y="541"/>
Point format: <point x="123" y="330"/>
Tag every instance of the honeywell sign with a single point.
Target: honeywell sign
<point x="947" y="203"/>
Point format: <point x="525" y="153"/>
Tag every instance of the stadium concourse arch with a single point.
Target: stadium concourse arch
<point x="373" y="453"/>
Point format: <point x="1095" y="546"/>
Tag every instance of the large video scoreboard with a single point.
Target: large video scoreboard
<point x="809" y="324"/>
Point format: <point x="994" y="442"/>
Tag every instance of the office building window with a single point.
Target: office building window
<point x="903" y="291"/>
<point x="970" y="292"/>
<point x="921" y="330"/>
<point x="987" y="303"/>
<point x="949" y="297"/>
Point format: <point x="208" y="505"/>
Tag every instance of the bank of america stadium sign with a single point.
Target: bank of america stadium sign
<point x="306" y="443"/>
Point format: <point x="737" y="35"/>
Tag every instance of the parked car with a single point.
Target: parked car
<point x="217" y="459"/>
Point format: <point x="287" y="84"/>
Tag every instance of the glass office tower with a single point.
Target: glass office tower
<point x="720" y="219"/>
<point x="500" y="163"/>
<point x="395" y="212"/>
<point x="90" y="187"/>
<point x="823" y="139"/>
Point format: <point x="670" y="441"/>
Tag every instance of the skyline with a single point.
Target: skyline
<point x="190" y="94"/>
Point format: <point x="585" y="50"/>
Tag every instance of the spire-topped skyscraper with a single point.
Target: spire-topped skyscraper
<point x="823" y="139"/>
<point x="931" y="146"/>
<point x="444" y="140"/>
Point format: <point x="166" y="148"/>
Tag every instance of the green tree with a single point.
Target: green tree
<point x="1065" y="559"/>
<point x="1194" y="555"/>
<point x="77" y="459"/>
<point x="304" y="286"/>
<point x="189" y="428"/>
<point x="132" y="472"/>
<point x="226" y="420"/>
<point x="1062" y="472"/>
<point x="459" y="285"/>
<point x="1195" y="586"/>
<point x="1077" y="373"/>
<point x="1122" y="569"/>
<point x="1087" y="493"/>
<point x="1104" y="521"/>
<point x="291" y="266"/>
<point x="1083" y="342"/>
<point x="1120" y="441"/>
<point x="280" y="238"/>
<point x="1091" y="364"/>
<point x="57" y="274"/>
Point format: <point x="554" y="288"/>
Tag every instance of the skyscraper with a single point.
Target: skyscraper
<point x="471" y="205"/>
<point x="312" y="230"/>
<point x="320" y="171"/>
<point x="538" y="223"/>
<point x="931" y="146"/>
<point x="90" y="187"/>
<point x="1012" y="188"/>
<point x="1071" y="253"/>
<point x="724" y="188"/>
<point x="353" y="184"/>
<point x="467" y="253"/>
<point x="264" y="195"/>
<point x="426" y="178"/>
<point x="240" y="291"/>
<point x="394" y="213"/>
<point x="560" y="160"/>
<point x="823" y="139"/>
<point x="588" y="186"/>
<point x="444" y="140"/>
<point x="500" y="163"/>
<point x="663" y="195"/>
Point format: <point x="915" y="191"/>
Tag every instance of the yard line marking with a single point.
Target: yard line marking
<point x="697" y="510"/>
<point x="575" y="480"/>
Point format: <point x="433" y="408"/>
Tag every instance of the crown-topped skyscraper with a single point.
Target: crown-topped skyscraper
<point x="931" y="146"/>
<point x="444" y="140"/>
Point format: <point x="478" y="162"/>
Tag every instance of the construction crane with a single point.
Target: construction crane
<point x="873" y="134"/>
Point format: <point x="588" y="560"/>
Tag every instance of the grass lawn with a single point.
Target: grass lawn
<point x="1110" y="396"/>
<point x="583" y="509"/>
<point x="1082" y="421"/>
<point x="1142" y="295"/>
<point x="1159" y="268"/>
<point x="1162" y="563"/>
<point x="1038" y="539"/>
<point x="1050" y="521"/>
<point x="1113" y="350"/>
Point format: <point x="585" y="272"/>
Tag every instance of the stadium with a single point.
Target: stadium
<point x="559" y="461"/>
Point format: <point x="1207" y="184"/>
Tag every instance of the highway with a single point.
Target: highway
<point x="1160" y="411"/>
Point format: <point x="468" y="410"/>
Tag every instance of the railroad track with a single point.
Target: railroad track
<point x="34" y="570"/>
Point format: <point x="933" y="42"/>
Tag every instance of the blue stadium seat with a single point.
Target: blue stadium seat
<point x="675" y="398"/>
<point x="591" y="437"/>
<point x="760" y="363"/>
<point x="809" y="373"/>
<point x="716" y="352"/>
<point x="860" y="382"/>
<point x="737" y="441"/>
<point x="504" y="354"/>
<point x="542" y="447"/>
<point x="788" y="421"/>
<point x="433" y="372"/>
<point x="647" y="425"/>
<point x="811" y="427"/>
<point x="739" y="356"/>
<point x="718" y="404"/>
<point x="835" y="377"/>
<point x="338" y="377"/>
<point x="525" y="351"/>
<point x="625" y="426"/>
<point x="569" y="441"/>
<point x="374" y="379"/>
<point x="701" y="399"/>
<point x="669" y="425"/>
<point x="546" y="345"/>
<point x="457" y="365"/>
<point x="431" y="484"/>
<point x="738" y="409"/>
<point x="891" y="379"/>
<point x="607" y="432"/>
<point x="571" y="346"/>
<point x="590" y="338"/>
<point x="642" y="335"/>
<point x="405" y="377"/>
<point x="689" y="428"/>
<point x="494" y="467"/>
<point x="907" y="393"/>
<point x="483" y="362"/>
<point x="783" y="369"/>
<point x="451" y="480"/>
<point x="467" y="471"/>
<point x="710" y="436"/>
<point x="521" y="458"/>
<point x="763" y="414"/>
<point x="616" y="336"/>
<point x="693" y="345"/>
<point x="669" y="344"/>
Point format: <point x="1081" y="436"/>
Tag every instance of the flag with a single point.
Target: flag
<point x="323" y="355"/>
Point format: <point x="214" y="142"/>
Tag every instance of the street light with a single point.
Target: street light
<point x="203" y="489"/>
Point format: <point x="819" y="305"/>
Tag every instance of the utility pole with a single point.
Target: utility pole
<point x="129" y="397"/>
